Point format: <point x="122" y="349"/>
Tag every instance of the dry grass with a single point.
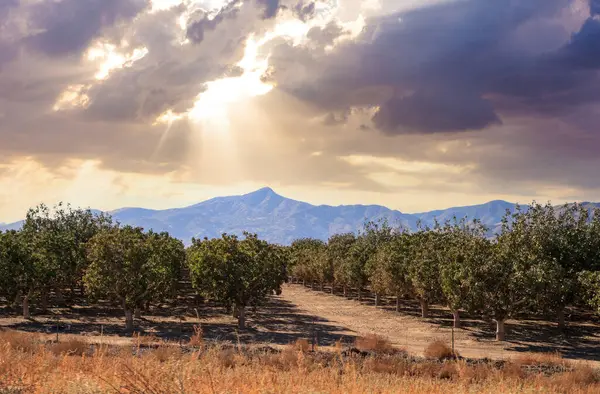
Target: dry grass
<point x="20" y="341"/>
<point x="197" y="340"/>
<point x="70" y="347"/>
<point x="145" y="340"/>
<point x="302" y="345"/>
<point x="217" y="369"/>
<point x="550" y="359"/>
<point x="438" y="350"/>
<point x="374" y="343"/>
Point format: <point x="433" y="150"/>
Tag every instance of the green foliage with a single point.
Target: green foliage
<point x="58" y="239"/>
<point x="18" y="274"/>
<point x="338" y="253"/>
<point x="309" y="260"/>
<point x="423" y="270"/>
<point x="464" y="248"/>
<point x="130" y="267"/>
<point x="590" y="283"/>
<point x="236" y="272"/>
<point x="389" y="273"/>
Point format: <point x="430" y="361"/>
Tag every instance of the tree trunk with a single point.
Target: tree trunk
<point x="561" y="318"/>
<point x="60" y="298"/>
<point x="359" y="294"/>
<point x="345" y="291"/>
<point x="242" y="318"/>
<point x="44" y="301"/>
<point x="424" y="308"/>
<point x="322" y="286"/>
<point x="128" y="319"/>
<point x="18" y="300"/>
<point x="26" y="313"/>
<point x="500" y="330"/>
<point x="456" y="316"/>
<point x="397" y="303"/>
<point x="376" y="299"/>
<point x="332" y="287"/>
<point x="303" y="282"/>
<point x="147" y="306"/>
<point x="138" y="313"/>
<point x="235" y="311"/>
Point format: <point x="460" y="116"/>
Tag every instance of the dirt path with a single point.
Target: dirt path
<point x="408" y="332"/>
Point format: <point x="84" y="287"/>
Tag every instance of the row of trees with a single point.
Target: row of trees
<point x="67" y="252"/>
<point x="541" y="261"/>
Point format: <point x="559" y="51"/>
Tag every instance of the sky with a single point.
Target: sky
<point x="412" y="104"/>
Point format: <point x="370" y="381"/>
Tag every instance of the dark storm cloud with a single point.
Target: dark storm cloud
<point x="271" y="7"/>
<point x="446" y="67"/>
<point x="69" y="26"/>
<point x="435" y="113"/>
<point x="304" y="11"/>
<point x="583" y="51"/>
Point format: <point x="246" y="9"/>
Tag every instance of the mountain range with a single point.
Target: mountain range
<point x="282" y="220"/>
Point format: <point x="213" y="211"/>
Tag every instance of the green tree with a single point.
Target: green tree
<point x="18" y="275"/>
<point x="389" y="273"/>
<point x="559" y="246"/>
<point x="338" y="253"/>
<point x="426" y="250"/>
<point x="309" y="261"/>
<point x="504" y="277"/>
<point x="237" y="273"/>
<point x="59" y="237"/>
<point x="590" y="283"/>
<point x="464" y="248"/>
<point x="166" y="260"/>
<point x="130" y="267"/>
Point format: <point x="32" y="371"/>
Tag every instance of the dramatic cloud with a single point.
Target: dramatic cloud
<point x="69" y="26"/>
<point x="401" y="102"/>
<point x="445" y="67"/>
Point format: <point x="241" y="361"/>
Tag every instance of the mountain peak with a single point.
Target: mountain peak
<point x="264" y="192"/>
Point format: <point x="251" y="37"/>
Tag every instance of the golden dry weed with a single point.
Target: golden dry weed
<point x="218" y="369"/>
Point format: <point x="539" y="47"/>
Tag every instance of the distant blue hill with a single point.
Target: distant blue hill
<point x="279" y="219"/>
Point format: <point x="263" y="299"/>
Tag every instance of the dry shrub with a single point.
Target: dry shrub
<point x="70" y="347"/>
<point x="339" y="346"/>
<point x="438" y="350"/>
<point x="226" y="358"/>
<point x="197" y="340"/>
<point x="448" y="371"/>
<point x="166" y="352"/>
<point x="301" y="345"/>
<point x="146" y="340"/>
<point x="390" y="365"/>
<point x="283" y="361"/>
<point x="374" y="343"/>
<point x="21" y="341"/>
<point x="582" y="376"/>
<point x="475" y="373"/>
<point x="512" y="371"/>
<point x="425" y="370"/>
<point x="532" y="358"/>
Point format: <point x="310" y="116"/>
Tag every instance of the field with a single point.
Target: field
<point x="191" y="347"/>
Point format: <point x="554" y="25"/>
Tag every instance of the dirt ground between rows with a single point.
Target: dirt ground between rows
<point x="406" y="329"/>
<point x="300" y="312"/>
